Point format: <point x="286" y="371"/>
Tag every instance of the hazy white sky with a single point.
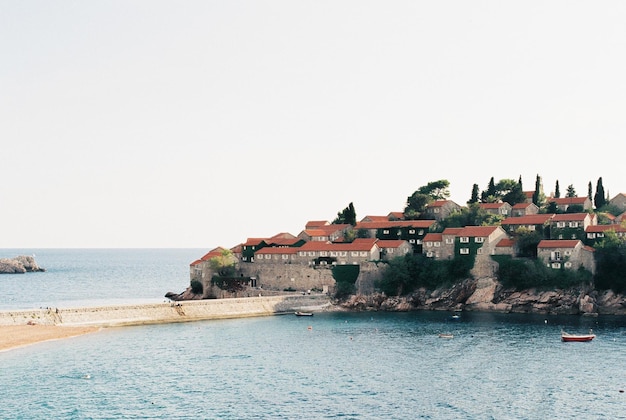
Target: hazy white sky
<point x="202" y="123"/>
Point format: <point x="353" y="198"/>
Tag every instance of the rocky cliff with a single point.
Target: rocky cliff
<point x="20" y="264"/>
<point x="488" y="295"/>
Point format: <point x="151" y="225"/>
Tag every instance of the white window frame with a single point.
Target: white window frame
<point x="479" y="239"/>
<point x="464" y="239"/>
<point x="464" y="251"/>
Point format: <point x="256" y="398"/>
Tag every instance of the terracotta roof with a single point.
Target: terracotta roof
<point x="216" y="252"/>
<point x="280" y="251"/>
<point x="375" y="219"/>
<point x="433" y="237"/>
<point x="439" y="203"/>
<point x="283" y="235"/>
<point x="505" y="243"/>
<point x="361" y="244"/>
<point x="479" y="231"/>
<point x="491" y="205"/>
<point x="566" y="217"/>
<point x="521" y="205"/>
<point x="529" y="219"/>
<point x="315" y="232"/>
<point x="423" y="224"/>
<point x="196" y="262"/>
<point x="315" y="224"/>
<point x="605" y="228"/>
<point x="390" y="243"/>
<point x="451" y="231"/>
<point x="569" y="200"/>
<point x="558" y="243"/>
<point x="253" y="241"/>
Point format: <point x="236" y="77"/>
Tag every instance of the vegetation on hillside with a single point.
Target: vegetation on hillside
<point x="406" y="274"/>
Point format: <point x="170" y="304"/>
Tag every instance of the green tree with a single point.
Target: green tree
<point x="589" y="191"/>
<point x="557" y="190"/>
<point x="515" y="194"/>
<point x="436" y="190"/>
<point x="490" y="195"/>
<point x="346" y="216"/>
<point x="474" y="197"/>
<point x="539" y="197"/>
<point x="527" y="241"/>
<point x="224" y="264"/>
<point x="599" y="199"/>
<point x="571" y="191"/>
<point x="610" y="256"/>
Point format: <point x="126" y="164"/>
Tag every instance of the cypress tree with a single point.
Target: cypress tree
<point x="599" y="198"/>
<point x="557" y="191"/>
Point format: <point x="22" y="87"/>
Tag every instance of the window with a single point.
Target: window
<point x="479" y="239"/>
<point x="418" y="241"/>
<point x="555" y="255"/>
<point x="601" y="235"/>
<point x="354" y="254"/>
<point x="363" y="254"/>
<point x="302" y="254"/>
<point x="561" y="236"/>
<point x="573" y="236"/>
<point x="436" y="210"/>
<point x="567" y="253"/>
<point x="464" y="251"/>
<point x="531" y="227"/>
<point x="268" y="257"/>
<point x="390" y="250"/>
<point x="411" y="231"/>
<point x="568" y="264"/>
<point x="421" y="232"/>
<point x="285" y="257"/>
<point x="343" y="253"/>
<point x="411" y="241"/>
<point x="385" y="231"/>
<point x="311" y="254"/>
<point x="591" y="235"/>
<point x="556" y="265"/>
<point x="479" y="251"/>
<point x="573" y="224"/>
<point x="430" y="254"/>
<point x="333" y="253"/>
<point x="428" y="244"/>
<point x="464" y="240"/>
<point x="560" y="224"/>
<point x="323" y="253"/>
<point x="437" y="244"/>
<point x="449" y="241"/>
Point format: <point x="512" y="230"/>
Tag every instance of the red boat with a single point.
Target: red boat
<point x="576" y="337"/>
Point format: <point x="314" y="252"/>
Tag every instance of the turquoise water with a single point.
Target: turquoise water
<point x="332" y="365"/>
<point x="92" y="277"/>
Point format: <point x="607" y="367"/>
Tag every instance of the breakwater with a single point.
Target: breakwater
<point x="139" y="314"/>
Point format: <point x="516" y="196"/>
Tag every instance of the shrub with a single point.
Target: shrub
<point x="196" y="287"/>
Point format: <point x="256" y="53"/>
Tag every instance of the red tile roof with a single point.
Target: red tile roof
<point x="433" y="237"/>
<point x="529" y="219"/>
<point x="566" y="217"/>
<point x="362" y="244"/>
<point x="569" y="200"/>
<point x="390" y="243"/>
<point x="420" y="224"/>
<point x="605" y="228"/>
<point x="490" y="205"/>
<point x="477" y="231"/>
<point x="279" y="251"/>
<point x="315" y="224"/>
<point x="558" y="243"/>
<point x="505" y="243"/>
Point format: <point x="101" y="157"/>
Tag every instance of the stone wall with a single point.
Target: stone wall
<point x="166" y="312"/>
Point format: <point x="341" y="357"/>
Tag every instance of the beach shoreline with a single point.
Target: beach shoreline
<point x="26" y="327"/>
<point x="17" y="336"/>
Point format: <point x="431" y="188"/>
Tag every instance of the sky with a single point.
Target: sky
<point x="197" y="124"/>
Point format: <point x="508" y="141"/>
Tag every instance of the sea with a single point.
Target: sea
<point x="333" y="365"/>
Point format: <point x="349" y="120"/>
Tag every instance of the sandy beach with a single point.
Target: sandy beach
<point x="13" y="336"/>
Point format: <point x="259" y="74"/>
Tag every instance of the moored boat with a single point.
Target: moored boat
<point x="298" y="313"/>
<point x="577" y="337"/>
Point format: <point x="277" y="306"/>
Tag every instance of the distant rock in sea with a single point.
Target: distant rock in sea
<point x="18" y="265"/>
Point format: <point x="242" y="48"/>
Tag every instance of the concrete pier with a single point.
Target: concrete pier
<point x="183" y="311"/>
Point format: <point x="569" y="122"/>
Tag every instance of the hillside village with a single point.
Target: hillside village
<point x="302" y="262"/>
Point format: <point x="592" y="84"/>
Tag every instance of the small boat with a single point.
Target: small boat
<point x="446" y="336"/>
<point x="298" y="313"/>
<point x="577" y="337"/>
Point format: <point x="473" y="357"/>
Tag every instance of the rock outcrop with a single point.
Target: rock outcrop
<point x="488" y="295"/>
<point x="19" y="264"/>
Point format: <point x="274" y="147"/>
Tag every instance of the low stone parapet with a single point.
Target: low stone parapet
<point x="184" y="311"/>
